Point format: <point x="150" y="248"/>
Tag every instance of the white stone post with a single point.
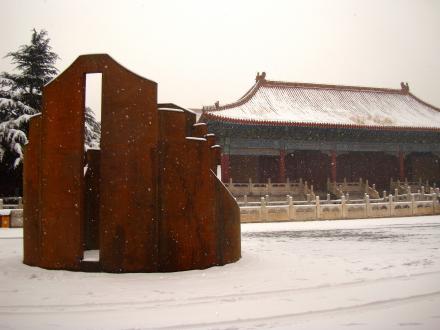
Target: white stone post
<point x="250" y="186"/>
<point x="267" y="199"/>
<point x="318" y="208"/>
<point x="435" y="197"/>
<point x="1" y="204"/>
<point x="269" y="186"/>
<point x="347" y="196"/>
<point x="367" y="206"/>
<point x="390" y="199"/>
<point x="219" y="172"/>
<point x="20" y="203"/>
<point x="422" y="190"/>
<point x="328" y="197"/>
<point x="343" y="207"/>
<point x="413" y="206"/>
<point x="245" y="200"/>
<point x="291" y="208"/>
<point x="263" y="210"/>
<point x="308" y="198"/>
<point x="384" y="194"/>
<point x="396" y="194"/>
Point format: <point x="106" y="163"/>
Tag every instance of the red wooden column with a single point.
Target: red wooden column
<point x="333" y="165"/>
<point x="282" y="166"/>
<point x="225" y="168"/>
<point x="401" y="165"/>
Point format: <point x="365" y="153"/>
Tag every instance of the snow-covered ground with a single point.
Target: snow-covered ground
<point x="358" y="274"/>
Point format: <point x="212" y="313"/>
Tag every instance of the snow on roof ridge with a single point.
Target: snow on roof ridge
<point x="275" y="83"/>
<point x="262" y="82"/>
<point x="318" y="124"/>
<point x="310" y="104"/>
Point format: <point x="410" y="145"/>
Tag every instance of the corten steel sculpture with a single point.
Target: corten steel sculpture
<point x="148" y="199"/>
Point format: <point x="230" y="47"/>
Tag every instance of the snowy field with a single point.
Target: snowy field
<point x="351" y="274"/>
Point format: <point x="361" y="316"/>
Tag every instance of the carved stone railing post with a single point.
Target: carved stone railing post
<point x="291" y="209"/>
<point x="413" y="206"/>
<point x="343" y="207"/>
<point x="391" y="205"/>
<point x="318" y="208"/>
<point x="367" y="206"/>
<point x="263" y="210"/>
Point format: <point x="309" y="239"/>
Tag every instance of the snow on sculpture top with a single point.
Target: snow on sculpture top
<point x="298" y="104"/>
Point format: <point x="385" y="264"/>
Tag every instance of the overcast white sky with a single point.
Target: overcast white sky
<point x="202" y="51"/>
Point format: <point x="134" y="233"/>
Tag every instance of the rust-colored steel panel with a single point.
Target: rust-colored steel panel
<point x="187" y="230"/>
<point x="92" y="179"/>
<point x="200" y="130"/>
<point x="62" y="170"/>
<point x="31" y="200"/>
<point x="128" y="192"/>
<point x="148" y="199"/>
<point x="216" y="152"/>
<point x="228" y="217"/>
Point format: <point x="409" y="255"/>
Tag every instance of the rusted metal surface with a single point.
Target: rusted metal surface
<point x="92" y="200"/>
<point x="228" y="219"/>
<point x="148" y="199"/>
<point x="31" y="184"/>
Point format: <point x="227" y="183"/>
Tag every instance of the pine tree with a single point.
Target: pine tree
<point x="20" y="98"/>
<point x="36" y="64"/>
<point x="92" y="134"/>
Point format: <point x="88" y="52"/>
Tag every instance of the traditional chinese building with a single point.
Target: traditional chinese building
<point x="316" y="132"/>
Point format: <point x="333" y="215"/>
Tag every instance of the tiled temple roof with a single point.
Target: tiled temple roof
<point x="279" y="103"/>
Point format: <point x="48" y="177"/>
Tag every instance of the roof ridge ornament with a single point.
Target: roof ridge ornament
<point x="261" y="77"/>
<point x="405" y="87"/>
